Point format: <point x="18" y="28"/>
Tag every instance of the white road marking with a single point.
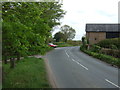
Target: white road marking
<point x="73" y="59"/>
<point x="77" y="62"/>
<point x="112" y="83"/>
<point x="71" y="53"/>
<point x="67" y="54"/>
<point x="83" y="66"/>
<point x="80" y="64"/>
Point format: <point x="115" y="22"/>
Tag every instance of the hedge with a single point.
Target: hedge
<point x="111" y="52"/>
<point x="110" y="43"/>
<point x="106" y="58"/>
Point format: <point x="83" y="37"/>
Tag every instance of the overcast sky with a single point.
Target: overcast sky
<point x="80" y="12"/>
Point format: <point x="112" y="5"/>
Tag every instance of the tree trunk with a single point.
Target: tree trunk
<point x="18" y="57"/>
<point x="5" y="61"/>
<point x="12" y="62"/>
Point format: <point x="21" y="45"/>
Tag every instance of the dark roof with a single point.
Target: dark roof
<point x="102" y="28"/>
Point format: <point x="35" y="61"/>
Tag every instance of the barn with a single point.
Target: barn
<point x="98" y="32"/>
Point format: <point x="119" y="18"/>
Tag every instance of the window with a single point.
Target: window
<point x="95" y="38"/>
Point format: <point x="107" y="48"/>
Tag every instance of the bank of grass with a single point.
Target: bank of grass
<point x="28" y="73"/>
<point x="106" y="58"/>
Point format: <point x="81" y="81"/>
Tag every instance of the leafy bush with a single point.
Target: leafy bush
<point x="95" y="48"/>
<point x="39" y="50"/>
<point x="113" y="47"/>
<point x="84" y="42"/>
<point x="110" y="43"/>
<point x="103" y="57"/>
<point x="112" y="52"/>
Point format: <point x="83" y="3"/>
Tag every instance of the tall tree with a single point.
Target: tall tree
<point x="59" y="36"/>
<point x="26" y="26"/>
<point x="68" y="31"/>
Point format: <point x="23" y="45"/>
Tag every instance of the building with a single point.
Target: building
<point x="98" y="32"/>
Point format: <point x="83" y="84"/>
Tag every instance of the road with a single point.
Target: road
<point x="71" y="68"/>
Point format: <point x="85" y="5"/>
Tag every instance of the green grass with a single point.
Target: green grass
<point x="28" y="73"/>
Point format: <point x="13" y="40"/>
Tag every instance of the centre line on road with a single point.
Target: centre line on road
<point x="112" y="83"/>
<point x="67" y="54"/>
<point x="80" y="64"/>
<point x="83" y="66"/>
<point x="73" y="59"/>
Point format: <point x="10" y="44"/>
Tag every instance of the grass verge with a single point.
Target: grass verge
<point x="28" y="73"/>
<point x="106" y="58"/>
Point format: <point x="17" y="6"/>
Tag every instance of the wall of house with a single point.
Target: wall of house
<point x="95" y="37"/>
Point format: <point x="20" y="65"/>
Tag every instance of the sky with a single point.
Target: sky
<point x="81" y="12"/>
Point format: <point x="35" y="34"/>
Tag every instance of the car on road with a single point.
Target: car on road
<point x="52" y="45"/>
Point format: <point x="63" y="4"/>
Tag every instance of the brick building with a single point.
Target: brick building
<point x="98" y="32"/>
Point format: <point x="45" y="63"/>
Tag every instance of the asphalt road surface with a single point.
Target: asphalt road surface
<point x="71" y="68"/>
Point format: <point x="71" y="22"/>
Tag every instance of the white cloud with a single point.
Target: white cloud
<point x="80" y="12"/>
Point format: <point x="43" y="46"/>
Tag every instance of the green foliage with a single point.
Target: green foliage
<point x="84" y="42"/>
<point x="59" y="36"/>
<point x="110" y="43"/>
<point x="83" y="39"/>
<point x="111" y="52"/>
<point x="29" y="73"/>
<point x="27" y="25"/>
<point x="49" y="39"/>
<point x="69" y="32"/>
<point x="113" y="47"/>
<point x="95" y="48"/>
<point x="103" y="57"/>
<point x="105" y="50"/>
<point x="110" y="47"/>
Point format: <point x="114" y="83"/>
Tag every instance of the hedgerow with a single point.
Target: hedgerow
<point x="110" y="43"/>
<point x="103" y="57"/>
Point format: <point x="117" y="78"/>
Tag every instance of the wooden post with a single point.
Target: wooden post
<point x="88" y="47"/>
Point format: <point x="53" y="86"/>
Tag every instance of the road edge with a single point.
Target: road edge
<point x="50" y="76"/>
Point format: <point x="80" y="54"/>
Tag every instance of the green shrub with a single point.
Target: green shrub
<point x="95" y="48"/>
<point x="84" y="47"/>
<point x="111" y="52"/>
<point x="103" y="57"/>
<point x="39" y="50"/>
<point x="110" y="43"/>
<point x="114" y="47"/>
